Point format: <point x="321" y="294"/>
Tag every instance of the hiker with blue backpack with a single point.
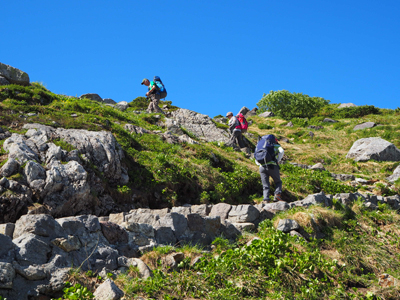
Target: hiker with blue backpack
<point x="267" y="155"/>
<point x="236" y="131"/>
<point x="156" y="91"/>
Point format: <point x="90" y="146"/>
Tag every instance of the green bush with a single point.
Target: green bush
<point x="355" y="112"/>
<point x="264" y="126"/>
<point x="291" y="105"/>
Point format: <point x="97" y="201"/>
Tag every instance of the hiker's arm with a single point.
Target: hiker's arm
<point x="280" y="155"/>
<point x="152" y="89"/>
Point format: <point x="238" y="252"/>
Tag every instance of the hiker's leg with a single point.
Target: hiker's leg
<point x="265" y="182"/>
<point x="156" y="103"/>
<point x="151" y="108"/>
<point x="240" y="139"/>
<point x="274" y="173"/>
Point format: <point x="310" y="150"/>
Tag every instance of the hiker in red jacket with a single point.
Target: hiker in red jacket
<point x="236" y="133"/>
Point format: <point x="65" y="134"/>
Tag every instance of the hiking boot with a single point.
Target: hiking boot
<point x="278" y="197"/>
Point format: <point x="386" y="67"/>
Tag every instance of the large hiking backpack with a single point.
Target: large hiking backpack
<point x="243" y="122"/>
<point x="159" y="84"/>
<point x="265" y="151"/>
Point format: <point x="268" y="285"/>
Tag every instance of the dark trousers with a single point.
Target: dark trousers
<point x="265" y="172"/>
<point x="237" y="138"/>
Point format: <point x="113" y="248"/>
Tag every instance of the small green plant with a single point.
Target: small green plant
<point x="76" y="292"/>
<point x="123" y="189"/>
<point x="264" y="126"/>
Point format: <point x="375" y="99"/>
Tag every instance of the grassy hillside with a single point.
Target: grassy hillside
<point x="357" y="245"/>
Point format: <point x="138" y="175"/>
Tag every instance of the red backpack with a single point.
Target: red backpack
<point x="243" y="122"/>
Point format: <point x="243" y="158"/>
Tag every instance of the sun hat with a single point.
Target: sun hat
<point x="144" y="80"/>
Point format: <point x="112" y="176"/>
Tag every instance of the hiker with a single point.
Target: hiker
<point x="155" y="93"/>
<point x="236" y="133"/>
<point x="267" y="155"/>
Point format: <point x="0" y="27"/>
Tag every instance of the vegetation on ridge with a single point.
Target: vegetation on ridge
<point x="347" y="248"/>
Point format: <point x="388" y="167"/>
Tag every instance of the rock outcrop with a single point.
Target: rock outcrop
<point x="200" y="125"/>
<point x="12" y="75"/>
<point x="61" y="180"/>
<point x="38" y="250"/>
<point x="373" y="148"/>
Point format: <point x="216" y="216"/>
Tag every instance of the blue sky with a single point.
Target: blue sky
<point x="213" y="56"/>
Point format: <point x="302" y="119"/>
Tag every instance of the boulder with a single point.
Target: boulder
<point x="200" y="125"/>
<point x="266" y="114"/>
<point x="92" y="96"/>
<point x="373" y="148"/>
<point x="122" y="106"/>
<point x="109" y="101"/>
<point x="221" y="210"/>
<point x="31" y="249"/>
<point x="328" y="120"/>
<point x="13" y="75"/>
<point x="108" y="290"/>
<point x="243" y="214"/>
<point x="7" y="275"/>
<point x="396" y="175"/>
<point x="364" y="125"/>
<point x="244" y="110"/>
<point x="346" y="105"/>
<point x="4" y="81"/>
<point x="343" y="177"/>
<point x="318" y="198"/>
<point x="41" y="225"/>
<point x="318" y="166"/>
<point x="287" y="225"/>
<point x="9" y="168"/>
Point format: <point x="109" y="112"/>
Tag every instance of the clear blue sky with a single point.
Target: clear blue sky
<point x="213" y="56"/>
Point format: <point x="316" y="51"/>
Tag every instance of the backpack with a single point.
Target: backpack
<point x="160" y="86"/>
<point x="265" y="151"/>
<point x="243" y="122"/>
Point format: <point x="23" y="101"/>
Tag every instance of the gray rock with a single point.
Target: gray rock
<point x="4" y="81"/>
<point x="221" y="210"/>
<point x="9" y="168"/>
<point x="373" y="148"/>
<point x="122" y="106"/>
<point x="104" y="257"/>
<point x="328" y="120"/>
<point x="177" y="222"/>
<point x="202" y="209"/>
<point x="42" y="225"/>
<point x="290" y="124"/>
<point x="346" y="105"/>
<point x="18" y="149"/>
<point x="266" y="114"/>
<point x="364" y="125"/>
<point x="135" y="129"/>
<point x="71" y="243"/>
<point x="108" y="290"/>
<point x="396" y="175"/>
<point x="244" y="110"/>
<point x="243" y="214"/>
<point x="31" y="249"/>
<point x="346" y="198"/>
<point x="200" y="125"/>
<point x="92" y="96"/>
<point x="343" y="177"/>
<point x="7" y="275"/>
<point x="318" y="166"/>
<point x="287" y="225"/>
<point x="318" y="198"/>
<point x="142" y="217"/>
<point x="183" y="210"/>
<point x="109" y="101"/>
<point x="7" y="229"/>
<point x="7" y="249"/>
<point x="165" y="236"/>
<point x="14" y="75"/>
<point x="276" y="206"/>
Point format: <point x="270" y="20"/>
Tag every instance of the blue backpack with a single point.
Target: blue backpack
<point x="160" y="86"/>
<point x="265" y="151"/>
